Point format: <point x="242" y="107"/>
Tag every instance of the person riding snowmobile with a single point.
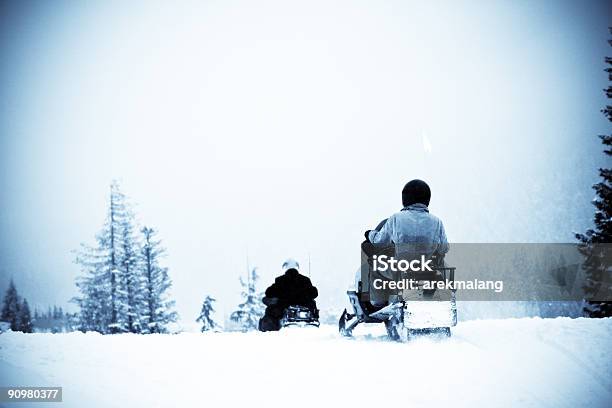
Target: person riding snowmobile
<point x="413" y="229"/>
<point x="414" y="223"/>
<point x="289" y="289"/>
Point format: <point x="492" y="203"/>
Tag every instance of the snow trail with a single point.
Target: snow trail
<point x="501" y="363"/>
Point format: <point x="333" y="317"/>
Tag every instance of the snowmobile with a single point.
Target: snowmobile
<point x="405" y="312"/>
<point x="300" y="316"/>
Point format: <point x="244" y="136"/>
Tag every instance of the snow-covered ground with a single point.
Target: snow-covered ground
<point x="501" y="363"/>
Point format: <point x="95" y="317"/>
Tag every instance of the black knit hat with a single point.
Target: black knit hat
<point x="416" y="191"/>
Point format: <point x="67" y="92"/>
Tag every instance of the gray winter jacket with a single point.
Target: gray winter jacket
<point x="413" y="225"/>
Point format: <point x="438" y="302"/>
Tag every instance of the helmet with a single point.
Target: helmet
<point x="416" y="191"/>
<point x="291" y="264"/>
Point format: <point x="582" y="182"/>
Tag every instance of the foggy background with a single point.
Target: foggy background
<point x="255" y="131"/>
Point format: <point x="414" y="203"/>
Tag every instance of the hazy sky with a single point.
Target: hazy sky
<point x="281" y="128"/>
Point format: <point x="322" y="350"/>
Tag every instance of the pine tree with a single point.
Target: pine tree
<point x="131" y="293"/>
<point x="158" y="312"/>
<point x="96" y="311"/>
<point x="206" y="315"/>
<point x="595" y="265"/>
<point x="251" y="309"/>
<point x="24" y="318"/>
<point x="104" y="300"/>
<point x="11" y="306"/>
<point x="109" y="245"/>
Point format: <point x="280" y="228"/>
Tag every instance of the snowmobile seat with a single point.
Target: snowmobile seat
<point x="375" y="299"/>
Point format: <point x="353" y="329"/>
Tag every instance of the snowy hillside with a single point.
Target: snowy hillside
<point x="515" y="362"/>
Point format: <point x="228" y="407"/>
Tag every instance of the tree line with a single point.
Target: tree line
<point x="16" y="315"/>
<point x="54" y="320"/>
<point x="16" y="311"/>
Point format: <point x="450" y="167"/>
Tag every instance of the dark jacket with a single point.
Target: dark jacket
<point x="292" y="288"/>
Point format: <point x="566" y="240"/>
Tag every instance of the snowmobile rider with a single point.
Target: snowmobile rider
<point x="290" y="289"/>
<point x="414" y="224"/>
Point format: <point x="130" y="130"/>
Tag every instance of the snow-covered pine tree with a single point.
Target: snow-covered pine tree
<point x="206" y="315"/>
<point x="104" y="299"/>
<point x="158" y="312"/>
<point x="595" y="265"/>
<point x="132" y="289"/>
<point x="96" y="304"/>
<point x="251" y="309"/>
<point x="24" y="317"/>
<point x="10" y="307"/>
